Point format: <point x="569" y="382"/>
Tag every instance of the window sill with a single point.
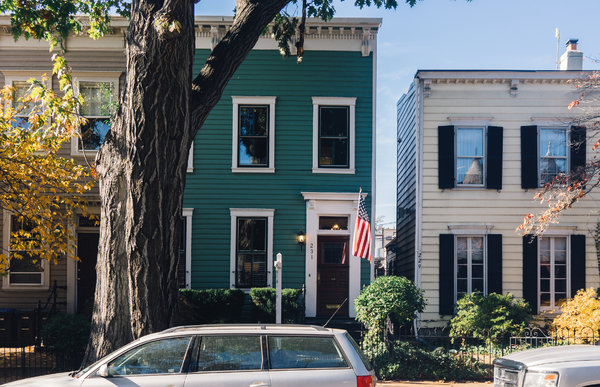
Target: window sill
<point x="252" y="170"/>
<point x="341" y="171"/>
<point x="27" y="288"/>
<point x="87" y="153"/>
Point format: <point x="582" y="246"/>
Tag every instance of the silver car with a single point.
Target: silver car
<point x="227" y="356"/>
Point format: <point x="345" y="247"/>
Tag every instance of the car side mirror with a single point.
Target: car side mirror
<point x="103" y="371"/>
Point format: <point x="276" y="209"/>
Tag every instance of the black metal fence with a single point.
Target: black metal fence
<point x="24" y="362"/>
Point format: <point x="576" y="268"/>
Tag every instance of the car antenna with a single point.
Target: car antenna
<point x="339" y="307"/>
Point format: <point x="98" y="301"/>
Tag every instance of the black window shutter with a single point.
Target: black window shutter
<point x="577" y="263"/>
<point x="577" y="146"/>
<point x="446" y="274"/>
<point x="529" y="157"/>
<point x="494" y="157"/>
<point x="530" y="280"/>
<point x="446" y="168"/>
<point x="494" y="263"/>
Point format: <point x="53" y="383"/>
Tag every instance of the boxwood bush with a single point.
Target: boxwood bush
<point x="263" y="305"/>
<point x="210" y="306"/>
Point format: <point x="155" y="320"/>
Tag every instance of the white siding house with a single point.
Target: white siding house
<point x="482" y="142"/>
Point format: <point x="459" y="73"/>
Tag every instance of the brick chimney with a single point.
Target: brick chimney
<point x="572" y="59"/>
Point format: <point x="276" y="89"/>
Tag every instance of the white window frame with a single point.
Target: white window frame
<point x="6" y="285"/>
<point x="252" y="100"/>
<point x="539" y="153"/>
<point x="10" y="77"/>
<point x="552" y="290"/>
<point x="92" y="77"/>
<point x="250" y="213"/>
<point x="334" y="101"/>
<point x="470" y="263"/>
<point x="484" y="157"/>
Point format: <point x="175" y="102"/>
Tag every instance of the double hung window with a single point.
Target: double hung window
<point x="552" y="153"/>
<point x="253" y="134"/>
<point x="333" y="135"/>
<point x="470" y="160"/>
<point x="97" y="109"/>
<point x="20" y="91"/>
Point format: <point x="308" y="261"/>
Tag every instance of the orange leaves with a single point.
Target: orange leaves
<point x="573" y="104"/>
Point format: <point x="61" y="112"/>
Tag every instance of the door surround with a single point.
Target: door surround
<point x="329" y="204"/>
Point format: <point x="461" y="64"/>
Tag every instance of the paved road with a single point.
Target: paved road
<point x="431" y="384"/>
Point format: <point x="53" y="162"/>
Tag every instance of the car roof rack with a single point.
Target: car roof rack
<point x="234" y="326"/>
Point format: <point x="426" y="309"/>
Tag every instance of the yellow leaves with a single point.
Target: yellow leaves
<point x="580" y="316"/>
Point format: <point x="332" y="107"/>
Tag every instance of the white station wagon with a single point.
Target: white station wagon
<point x="227" y="356"/>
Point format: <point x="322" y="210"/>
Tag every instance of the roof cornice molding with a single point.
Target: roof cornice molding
<point x="499" y="76"/>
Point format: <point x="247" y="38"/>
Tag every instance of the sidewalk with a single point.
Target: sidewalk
<point x="431" y="384"/>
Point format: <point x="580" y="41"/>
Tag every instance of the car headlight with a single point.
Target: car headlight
<point x="541" y="379"/>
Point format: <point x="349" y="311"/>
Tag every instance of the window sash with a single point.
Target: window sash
<point x="95" y="108"/>
<point x="25" y="274"/>
<point x="339" y="145"/>
<point x="472" y="267"/>
<point x="552" y="271"/>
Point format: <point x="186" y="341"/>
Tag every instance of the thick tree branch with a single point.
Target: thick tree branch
<point x="251" y="19"/>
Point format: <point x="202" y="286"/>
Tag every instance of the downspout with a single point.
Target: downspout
<point x="419" y="186"/>
<point x="373" y="159"/>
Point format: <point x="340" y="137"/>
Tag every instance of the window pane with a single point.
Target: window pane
<point x="461" y="286"/>
<point x="334" y="121"/>
<point x="252" y="234"/>
<point x="157" y="357"/>
<point x="333" y="252"/>
<point x="477" y="271"/>
<point x="25" y="266"/>
<point x="253" y="151"/>
<point x="334" y="152"/>
<point x="229" y="353"/>
<point x="461" y="271"/>
<point x="21" y="89"/>
<point x="477" y="285"/>
<point x="25" y="278"/>
<point x="553" y="142"/>
<point x="545" y="285"/>
<point x="96" y="98"/>
<point x="545" y="299"/>
<point x="333" y="223"/>
<point x="469" y="142"/>
<point x="254" y="120"/>
<point x="94" y="132"/>
<point x="470" y="171"/>
<point x="461" y="244"/>
<point x="545" y="271"/>
<point x="550" y="168"/>
<point x="560" y="286"/>
<point x="545" y="244"/>
<point x="251" y="270"/>
<point x="560" y="244"/>
<point x="305" y="352"/>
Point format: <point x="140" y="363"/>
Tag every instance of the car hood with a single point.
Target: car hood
<point x="62" y="379"/>
<point x="548" y="355"/>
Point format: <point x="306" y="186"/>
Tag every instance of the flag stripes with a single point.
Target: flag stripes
<point x="361" y="246"/>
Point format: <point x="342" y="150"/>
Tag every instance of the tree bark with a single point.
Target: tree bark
<point x="142" y="164"/>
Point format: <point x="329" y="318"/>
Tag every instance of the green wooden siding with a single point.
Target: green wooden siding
<point x="212" y="189"/>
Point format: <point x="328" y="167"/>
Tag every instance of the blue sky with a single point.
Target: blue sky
<point x="455" y="34"/>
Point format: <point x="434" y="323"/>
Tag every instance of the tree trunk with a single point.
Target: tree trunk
<point x="142" y="164"/>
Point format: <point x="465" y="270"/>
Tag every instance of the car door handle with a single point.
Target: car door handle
<point x="259" y="384"/>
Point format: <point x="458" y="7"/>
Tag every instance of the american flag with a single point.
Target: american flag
<point x="361" y="246"/>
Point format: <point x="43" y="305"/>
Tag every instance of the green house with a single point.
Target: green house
<point x="282" y="157"/>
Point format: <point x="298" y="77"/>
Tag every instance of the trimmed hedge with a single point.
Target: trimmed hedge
<point x="210" y="306"/>
<point x="263" y="305"/>
<point x="66" y="334"/>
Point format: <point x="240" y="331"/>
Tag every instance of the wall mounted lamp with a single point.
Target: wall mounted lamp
<point x="301" y="239"/>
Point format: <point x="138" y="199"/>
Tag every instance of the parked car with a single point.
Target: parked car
<point x="563" y="366"/>
<point x="227" y="356"/>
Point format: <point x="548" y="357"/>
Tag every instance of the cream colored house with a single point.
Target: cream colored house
<point x="473" y="147"/>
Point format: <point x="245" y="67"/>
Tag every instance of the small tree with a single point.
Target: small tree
<point x="490" y="317"/>
<point x="388" y="296"/>
<point x="580" y="317"/>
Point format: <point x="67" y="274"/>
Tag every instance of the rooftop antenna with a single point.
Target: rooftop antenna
<point x="557" y="36"/>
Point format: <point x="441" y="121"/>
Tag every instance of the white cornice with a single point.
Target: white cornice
<point x="338" y="34"/>
<point x="499" y="76"/>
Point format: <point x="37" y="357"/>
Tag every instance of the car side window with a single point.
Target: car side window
<point x="229" y="353"/>
<point x="304" y="352"/>
<point x="156" y="357"/>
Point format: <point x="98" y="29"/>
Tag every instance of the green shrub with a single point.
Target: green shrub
<point x="210" y="306"/>
<point x="406" y="361"/>
<point x="263" y="304"/>
<point x="66" y="334"/>
<point x="493" y="317"/>
<point x="388" y="296"/>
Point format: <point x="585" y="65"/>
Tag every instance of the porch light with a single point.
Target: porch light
<point x="301" y="239"/>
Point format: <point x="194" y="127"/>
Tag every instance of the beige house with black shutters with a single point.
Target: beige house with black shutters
<point x="473" y="148"/>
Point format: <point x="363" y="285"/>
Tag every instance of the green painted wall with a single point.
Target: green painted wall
<point x="212" y="188"/>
